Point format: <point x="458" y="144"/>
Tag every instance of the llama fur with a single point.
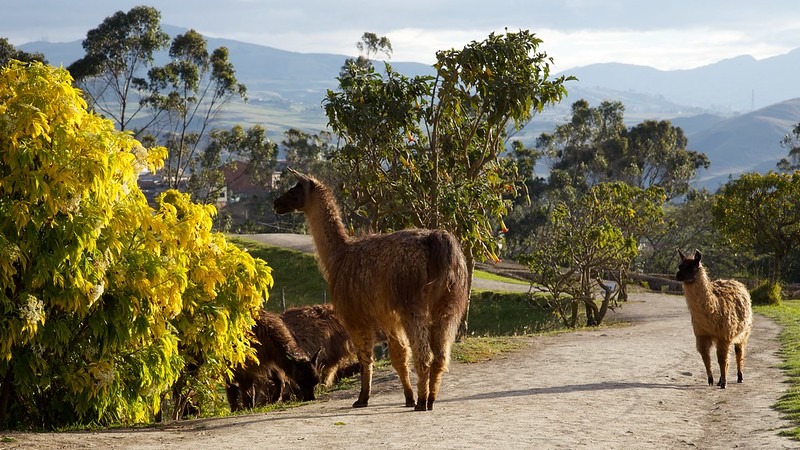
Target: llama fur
<point x="411" y="285"/>
<point x="721" y="316"/>
<point x="316" y="329"/>
<point x="282" y="364"/>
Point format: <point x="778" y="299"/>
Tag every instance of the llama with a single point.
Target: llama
<point x="280" y="361"/>
<point x="411" y="285"/>
<point x="721" y="315"/>
<point x="317" y="329"/>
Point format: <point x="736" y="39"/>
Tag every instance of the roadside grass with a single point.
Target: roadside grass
<point x="787" y="314"/>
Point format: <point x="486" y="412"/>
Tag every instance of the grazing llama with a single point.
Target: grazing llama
<point x="721" y="315"/>
<point x="316" y="329"/>
<point x="280" y="362"/>
<point x="411" y="285"/>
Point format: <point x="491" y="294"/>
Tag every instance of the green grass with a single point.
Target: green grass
<point x="787" y="315"/>
<point x="484" y="348"/>
<point x="296" y="275"/>
<point x="494" y="277"/>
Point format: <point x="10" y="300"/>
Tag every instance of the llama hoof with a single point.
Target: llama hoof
<point x="430" y="405"/>
<point x="710" y="381"/>
<point x="722" y="384"/>
<point x="420" y="407"/>
<point x="739" y="378"/>
<point x="410" y="402"/>
<point x="360" y="404"/>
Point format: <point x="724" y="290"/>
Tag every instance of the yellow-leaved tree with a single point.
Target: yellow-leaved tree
<point x="106" y="304"/>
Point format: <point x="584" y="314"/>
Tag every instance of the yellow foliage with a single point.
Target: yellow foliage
<point x="104" y="297"/>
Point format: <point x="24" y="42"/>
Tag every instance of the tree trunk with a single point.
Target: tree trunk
<point x="464" y="329"/>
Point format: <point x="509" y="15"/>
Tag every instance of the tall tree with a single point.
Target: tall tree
<point x="762" y="213"/>
<point x="118" y="54"/>
<point x="189" y="92"/>
<point x="426" y="152"/>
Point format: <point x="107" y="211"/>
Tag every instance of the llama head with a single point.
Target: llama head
<point x="295" y="198"/>
<point x="305" y="375"/>
<point x="688" y="267"/>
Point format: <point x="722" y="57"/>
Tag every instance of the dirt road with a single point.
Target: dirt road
<point x="640" y="386"/>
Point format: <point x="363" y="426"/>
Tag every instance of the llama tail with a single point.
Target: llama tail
<point x="446" y="261"/>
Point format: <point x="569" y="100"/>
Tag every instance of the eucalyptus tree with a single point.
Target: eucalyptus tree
<point x="188" y="93"/>
<point x="791" y="142"/>
<point x="112" y="72"/>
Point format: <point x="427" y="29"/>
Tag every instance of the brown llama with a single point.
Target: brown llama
<point x="317" y="329"/>
<point x="721" y="315"/>
<point x="411" y="285"/>
<point x="280" y="362"/>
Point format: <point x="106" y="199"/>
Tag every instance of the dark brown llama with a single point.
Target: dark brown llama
<point x="411" y="285"/>
<point x="317" y="329"/>
<point x="280" y="362"/>
<point x="721" y="315"/>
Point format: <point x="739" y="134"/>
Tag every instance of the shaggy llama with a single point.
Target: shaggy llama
<point x="411" y="285"/>
<point x="721" y="315"/>
<point x="316" y="329"/>
<point x="282" y="365"/>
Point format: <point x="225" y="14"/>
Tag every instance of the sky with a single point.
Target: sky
<point x="665" y="34"/>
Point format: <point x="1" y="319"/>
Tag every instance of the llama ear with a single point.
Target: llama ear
<point x="680" y="253"/>
<point x="297" y="174"/>
<point x="697" y="255"/>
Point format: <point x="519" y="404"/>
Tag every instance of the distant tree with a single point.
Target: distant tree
<point x="188" y="93"/>
<point x="762" y="213"/>
<point x="369" y="47"/>
<point x="118" y="54"/>
<point x="791" y="142"/>
<point x="9" y="52"/>
<point x="595" y="146"/>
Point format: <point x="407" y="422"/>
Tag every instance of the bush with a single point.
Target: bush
<point x="502" y="314"/>
<point x="767" y="293"/>
<point x="105" y="303"/>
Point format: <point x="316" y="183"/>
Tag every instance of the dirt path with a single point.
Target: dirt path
<point x="630" y="387"/>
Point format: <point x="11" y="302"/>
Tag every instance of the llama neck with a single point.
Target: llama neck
<point x="699" y="293"/>
<point x="325" y="223"/>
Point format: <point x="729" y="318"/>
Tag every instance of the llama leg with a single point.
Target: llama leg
<point x="398" y="352"/>
<point x="723" y="351"/>
<point x="739" y="349"/>
<point x="442" y="336"/>
<point x="364" y="353"/>
<point x="704" y="348"/>
<point x="420" y="343"/>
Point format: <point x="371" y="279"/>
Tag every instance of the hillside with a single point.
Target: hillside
<point x="749" y="142"/>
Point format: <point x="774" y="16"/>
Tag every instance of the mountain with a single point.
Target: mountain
<point x="745" y="143"/>
<point x="733" y="85"/>
<point x="735" y="111"/>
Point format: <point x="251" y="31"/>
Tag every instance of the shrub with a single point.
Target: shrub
<point x="767" y="293"/>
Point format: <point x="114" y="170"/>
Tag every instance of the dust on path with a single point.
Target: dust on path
<point x="640" y="386"/>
